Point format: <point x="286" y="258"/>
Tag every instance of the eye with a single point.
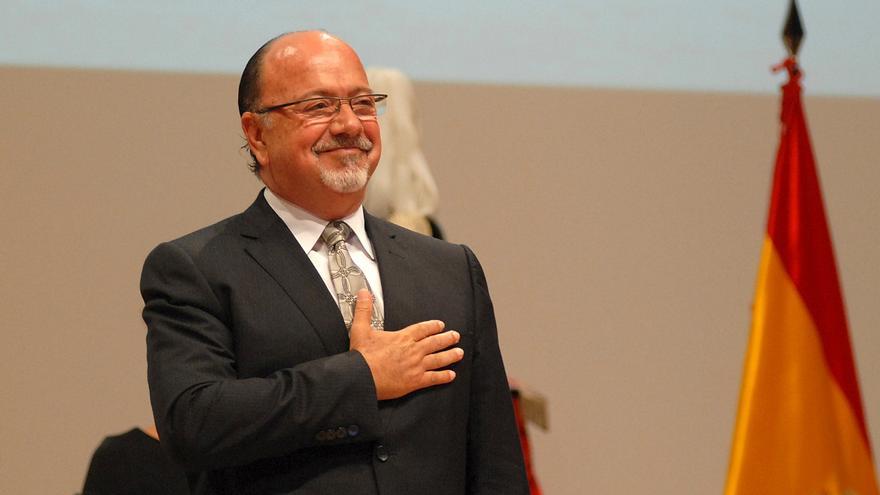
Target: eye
<point x="363" y="104"/>
<point x="317" y="106"/>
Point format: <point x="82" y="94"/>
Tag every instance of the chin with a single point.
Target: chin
<point x="347" y="180"/>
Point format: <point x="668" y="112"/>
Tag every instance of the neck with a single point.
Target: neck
<point x="334" y="210"/>
<point x="328" y="205"/>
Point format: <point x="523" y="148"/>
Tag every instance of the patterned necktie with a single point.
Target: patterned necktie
<point x="347" y="278"/>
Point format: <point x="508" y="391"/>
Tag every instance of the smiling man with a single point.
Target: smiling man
<point x="305" y="346"/>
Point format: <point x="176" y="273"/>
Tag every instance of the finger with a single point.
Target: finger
<point x="443" y="359"/>
<point x="434" y="343"/>
<point x="363" y="310"/>
<point x="419" y="331"/>
<point x="431" y="378"/>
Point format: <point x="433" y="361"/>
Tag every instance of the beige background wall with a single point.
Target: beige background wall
<point x="655" y="202"/>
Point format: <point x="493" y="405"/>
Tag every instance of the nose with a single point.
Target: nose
<point x="346" y="122"/>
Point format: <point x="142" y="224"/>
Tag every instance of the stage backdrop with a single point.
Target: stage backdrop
<point x="652" y="204"/>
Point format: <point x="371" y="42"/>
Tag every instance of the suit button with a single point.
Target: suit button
<point x="381" y="453"/>
<point x="353" y="430"/>
<point x="340" y="432"/>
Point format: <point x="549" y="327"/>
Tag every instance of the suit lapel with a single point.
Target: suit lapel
<point x="276" y="250"/>
<point x="398" y="289"/>
<point x="397" y="281"/>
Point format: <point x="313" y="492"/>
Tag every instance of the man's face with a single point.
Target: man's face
<point x="315" y="165"/>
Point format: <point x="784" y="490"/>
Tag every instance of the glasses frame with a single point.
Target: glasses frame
<point x="377" y="98"/>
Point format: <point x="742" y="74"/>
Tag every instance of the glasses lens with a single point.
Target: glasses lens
<point x="319" y="108"/>
<point x="364" y="106"/>
<point x="381" y="103"/>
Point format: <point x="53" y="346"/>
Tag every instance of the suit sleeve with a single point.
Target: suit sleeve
<point x="495" y="462"/>
<point x="207" y="417"/>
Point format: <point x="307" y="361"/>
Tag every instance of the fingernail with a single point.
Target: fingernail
<point x="459" y="351"/>
<point x="442" y="325"/>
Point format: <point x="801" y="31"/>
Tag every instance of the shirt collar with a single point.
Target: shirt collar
<point x="307" y="228"/>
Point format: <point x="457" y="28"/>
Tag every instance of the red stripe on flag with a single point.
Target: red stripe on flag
<point x="799" y="231"/>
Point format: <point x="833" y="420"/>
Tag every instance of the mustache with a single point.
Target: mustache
<point x="336" y="142"/>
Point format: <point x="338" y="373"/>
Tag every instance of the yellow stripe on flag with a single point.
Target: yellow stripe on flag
<point x="796" y="432"/>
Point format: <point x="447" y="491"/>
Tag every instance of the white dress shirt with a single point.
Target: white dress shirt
<point x="307" y="229"/>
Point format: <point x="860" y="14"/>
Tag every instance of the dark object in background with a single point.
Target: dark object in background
<point x="133" y="464"/>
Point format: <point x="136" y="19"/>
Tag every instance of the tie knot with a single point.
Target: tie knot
<point x="335" y="232"/>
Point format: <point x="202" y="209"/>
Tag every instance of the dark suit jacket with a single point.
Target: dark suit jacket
<point x="254" y="389"/>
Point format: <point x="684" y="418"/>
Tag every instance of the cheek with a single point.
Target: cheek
<point x="373" y="133"/>
<point x="374" y="155"/>
<point x="375" y="137"/>
<point x="297" y="154"/>
<point x="305" y="140"/>
<point x="293" y="157"/>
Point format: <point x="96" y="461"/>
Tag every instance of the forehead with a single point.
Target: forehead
<point x="301" y="68"/>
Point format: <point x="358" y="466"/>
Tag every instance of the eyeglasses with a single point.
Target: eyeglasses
<point x="325" y="108"/>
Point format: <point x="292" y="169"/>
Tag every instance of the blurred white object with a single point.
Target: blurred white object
<point x="402" y="189"/>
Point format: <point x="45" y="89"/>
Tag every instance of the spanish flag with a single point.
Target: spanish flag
<point x="800" y="428"/>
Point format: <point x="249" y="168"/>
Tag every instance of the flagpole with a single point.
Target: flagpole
<point x="800" y="425"/>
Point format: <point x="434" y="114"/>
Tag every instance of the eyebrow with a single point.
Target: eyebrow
<point x="319" y="93"/>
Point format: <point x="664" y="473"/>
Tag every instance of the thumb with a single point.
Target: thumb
<point x="363" y="311"/>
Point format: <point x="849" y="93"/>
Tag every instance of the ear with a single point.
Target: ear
<point x="252" y="126"/>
